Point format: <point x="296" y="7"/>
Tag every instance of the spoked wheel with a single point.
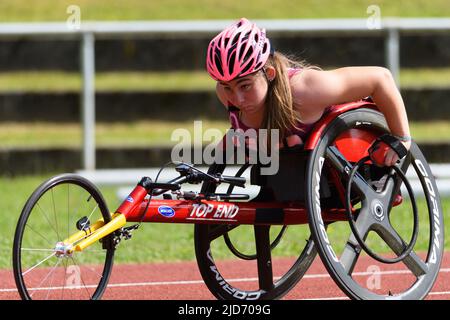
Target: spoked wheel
<point x="258" y="276"/>
<point x="397" y="250"/>
<point x="43" y="266"/>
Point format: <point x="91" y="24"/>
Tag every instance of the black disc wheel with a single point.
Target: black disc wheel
<point x="254" y="275"/>
<point x="43" y="264"/>
<point x="398" y="248"/>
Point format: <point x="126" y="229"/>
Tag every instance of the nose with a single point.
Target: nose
<point x="239" y="97"/>
<point x="235" y="97"/>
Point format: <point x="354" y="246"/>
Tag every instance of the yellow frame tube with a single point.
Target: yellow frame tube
<point x="99" y="230"/>
<point x="83" y="234"/>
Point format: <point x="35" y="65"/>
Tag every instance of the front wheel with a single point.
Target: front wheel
<point x="43" y="268"/>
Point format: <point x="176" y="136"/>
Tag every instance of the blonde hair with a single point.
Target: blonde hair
<point x="279" y="112"/>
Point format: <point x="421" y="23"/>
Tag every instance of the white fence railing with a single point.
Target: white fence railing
<point x="87" y="32"/>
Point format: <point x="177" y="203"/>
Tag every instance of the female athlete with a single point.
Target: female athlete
<point x="263" y="88"/>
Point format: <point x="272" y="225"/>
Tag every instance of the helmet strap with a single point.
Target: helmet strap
<point x="267" y="78"/>
<point x="272" y="50"/>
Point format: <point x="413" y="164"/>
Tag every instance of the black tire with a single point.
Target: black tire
<point x="213" y="274"/>
<point x="49" y="216"/>
<point x="341" y="259"/>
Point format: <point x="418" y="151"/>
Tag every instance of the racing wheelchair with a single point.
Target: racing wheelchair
<point x="350" y="211"/>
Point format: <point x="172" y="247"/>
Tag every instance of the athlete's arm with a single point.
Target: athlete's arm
<point x="314" y="90"/>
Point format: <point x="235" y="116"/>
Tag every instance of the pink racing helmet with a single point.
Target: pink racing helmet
<point x="239" y="50"/>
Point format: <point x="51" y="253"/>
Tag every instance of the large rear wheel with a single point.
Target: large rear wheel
<point x="257" y="276"/>
<point x="383" y="212"/>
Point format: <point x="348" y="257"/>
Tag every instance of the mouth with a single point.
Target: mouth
<point x="249" y="109"/>
<point x="245" y="108"/>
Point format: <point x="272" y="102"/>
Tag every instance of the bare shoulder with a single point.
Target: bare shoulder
<point x="305" y="90"/>
<point x="317" y="88"/>
<point x="302" y="81"/>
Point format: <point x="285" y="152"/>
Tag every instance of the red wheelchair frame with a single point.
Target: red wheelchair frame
<point x="354" y="143"/>
<point x="349" y="138"/>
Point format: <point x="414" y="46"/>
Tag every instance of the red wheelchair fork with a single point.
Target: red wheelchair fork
<point x="134" y="199"/>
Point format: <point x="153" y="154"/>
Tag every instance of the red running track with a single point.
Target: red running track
<point x="182" y="281"/>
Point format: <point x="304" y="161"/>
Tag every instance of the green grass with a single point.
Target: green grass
<point x="35" y="81"/>
<point x="14" y="194"/>
<point x="430" y="131"/>
<point x="157" y="132"/>
<point x="144" y="133"/>
<point x="149" y="133"/>
<point x="50" y="10"/>
<point x="425" y="78"/>
<point x="174" y="242"/>
<point x="47" y="81"/>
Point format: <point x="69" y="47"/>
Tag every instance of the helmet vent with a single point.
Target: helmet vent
<point x="218" y="62"/>
<point x="247" y="67"/>
<point x="231" y="62"/>
<point x="235" y="39"/>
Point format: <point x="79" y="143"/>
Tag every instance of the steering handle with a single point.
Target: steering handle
<point x="237" y="181"/>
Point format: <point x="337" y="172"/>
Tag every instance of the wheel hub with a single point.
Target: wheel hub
<point x="63" y="250"/>
<point x="378" y="210"/>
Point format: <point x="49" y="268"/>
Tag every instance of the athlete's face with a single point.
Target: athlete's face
<point x="247" y="93"/>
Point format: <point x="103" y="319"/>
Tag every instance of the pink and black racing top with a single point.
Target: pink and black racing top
<point x="302" y="129"/>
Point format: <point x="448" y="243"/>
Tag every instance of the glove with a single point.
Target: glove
<point x="385" y="149"/>
<point x="378" y="152"/>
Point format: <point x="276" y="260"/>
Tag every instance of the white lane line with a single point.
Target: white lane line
<point x="441" y="293"/>
<point x="190" y="282"/>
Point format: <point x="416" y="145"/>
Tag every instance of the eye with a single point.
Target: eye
<point x="246" y="87"/>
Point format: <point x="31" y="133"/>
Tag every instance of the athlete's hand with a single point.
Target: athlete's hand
<point x="382" y="154"/>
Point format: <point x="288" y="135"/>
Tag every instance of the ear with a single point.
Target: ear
<point x="271" y="73"/>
